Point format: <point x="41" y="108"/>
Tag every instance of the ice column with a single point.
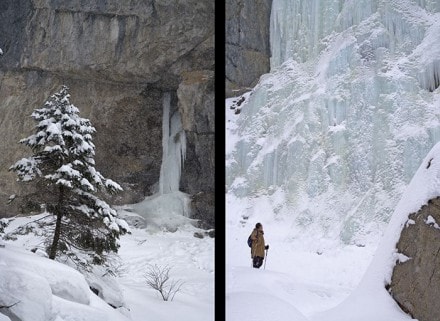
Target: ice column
<point x="174" y="148"/>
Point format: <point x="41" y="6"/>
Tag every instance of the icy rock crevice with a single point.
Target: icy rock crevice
<point x="344" y="117"/>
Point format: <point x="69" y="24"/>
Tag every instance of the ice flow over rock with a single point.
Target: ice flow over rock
<point x="341" y="123"/>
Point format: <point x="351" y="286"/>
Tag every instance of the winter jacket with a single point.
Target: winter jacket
<point x="257" y="243"/>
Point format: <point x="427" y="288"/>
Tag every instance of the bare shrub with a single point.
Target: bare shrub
<point x="158" y="278"/>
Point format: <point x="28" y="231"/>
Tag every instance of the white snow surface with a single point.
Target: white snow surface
<point x="316" y="280"/>
<point x="50" y="291"/>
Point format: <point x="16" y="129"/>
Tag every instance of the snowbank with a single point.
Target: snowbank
<point x="45" y="290"/>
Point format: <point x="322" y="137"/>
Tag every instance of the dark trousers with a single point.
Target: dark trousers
<point x="258" y="261"/>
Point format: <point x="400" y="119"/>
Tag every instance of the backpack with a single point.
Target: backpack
<point x="249" y="241"/>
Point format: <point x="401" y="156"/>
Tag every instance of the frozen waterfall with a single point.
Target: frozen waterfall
<point x="174" y="149"/>
<point x="329" y="139"/>
<point x="169" y="208"/>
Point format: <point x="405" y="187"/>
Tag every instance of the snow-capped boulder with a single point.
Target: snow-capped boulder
<point x="63" y="281"/>
<point x="39" y="289"/>
<point x="27" y="295"/>
<point x="106" y="287"/>
<point x="415" y="283"/>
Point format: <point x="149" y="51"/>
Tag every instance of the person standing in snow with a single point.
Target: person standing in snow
<point x="258" y="246"/>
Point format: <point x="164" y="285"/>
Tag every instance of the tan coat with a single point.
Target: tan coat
<point x="257" y="243"/>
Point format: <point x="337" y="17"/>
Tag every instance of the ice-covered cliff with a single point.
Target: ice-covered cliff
<point x="118" y="58"/>
<point x="329" y="139"/>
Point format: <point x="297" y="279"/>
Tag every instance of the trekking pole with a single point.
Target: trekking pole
<point x="265" y="260"/>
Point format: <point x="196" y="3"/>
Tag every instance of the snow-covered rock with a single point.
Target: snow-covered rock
<point x="30" y="292"/>
<point x="47" y="290"/>
<point x="106" y="286"/>
<point x="415" y="282"/>
<point x="63" y="281"/>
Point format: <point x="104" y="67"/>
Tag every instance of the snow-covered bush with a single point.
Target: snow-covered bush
<point x="82" y="226"/>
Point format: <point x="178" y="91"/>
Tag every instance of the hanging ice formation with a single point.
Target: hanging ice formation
<point x="332" y="135"/>
<point x="169" y="207"/>
<point x="174" y="149"/>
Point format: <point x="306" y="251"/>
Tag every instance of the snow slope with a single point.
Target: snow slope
<point x="46" y="290"/>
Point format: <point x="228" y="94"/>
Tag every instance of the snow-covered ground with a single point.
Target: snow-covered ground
<point x="47" y="290"/>
<point x="299" y="282"/>
<point x="310" y="277"/>
<point x="191" y="260"/>
<point x="301" y="277"/>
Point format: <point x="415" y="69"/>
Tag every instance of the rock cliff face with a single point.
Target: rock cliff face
<point x="247" y="43"/>
<point x="415" y="283"/>
<point x="118" y="58"/>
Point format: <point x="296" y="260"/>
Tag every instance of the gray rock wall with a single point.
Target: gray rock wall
<point x="415" y="284"/>
<point x="198" y="123"/>
<point x="117" y="58"/>
<point x="247" y="44"/>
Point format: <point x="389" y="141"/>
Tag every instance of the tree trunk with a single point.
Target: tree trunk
<point x="59" y="214"/>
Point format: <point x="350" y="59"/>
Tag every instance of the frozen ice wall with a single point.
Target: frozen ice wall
<point x="174" y="148"/>
<point x="335" y="132"/>
<point x="169" y="208"/>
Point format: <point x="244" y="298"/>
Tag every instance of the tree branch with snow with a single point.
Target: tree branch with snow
<point x="63" y="165"/>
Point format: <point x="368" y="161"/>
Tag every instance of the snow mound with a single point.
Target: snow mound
<point x="107" y="287"/>
<point x="64" y="282"/>
<point x="47" y="290"/>
<point x="30" y="293"/>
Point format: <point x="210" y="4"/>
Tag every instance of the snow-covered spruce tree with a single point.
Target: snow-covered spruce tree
<point x="62" y="166"/>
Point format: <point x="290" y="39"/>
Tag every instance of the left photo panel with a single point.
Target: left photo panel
<point x="107" y="160"/>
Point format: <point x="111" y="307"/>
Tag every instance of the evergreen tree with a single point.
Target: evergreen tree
<point x="63" y="166"/>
